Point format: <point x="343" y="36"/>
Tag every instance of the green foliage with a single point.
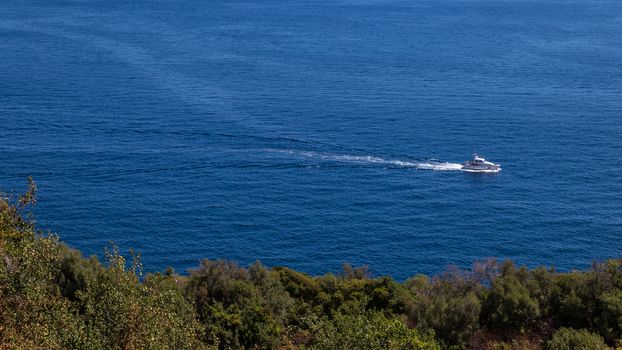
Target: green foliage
<point x="571" y="339"/>
<point x="75" y="271"/>
<point x="240" y="308"/>
<point x="570" y="301"/>
<point x="509" y="305"/>
<point x="51" y="297"/>
<point x="297" y="284"/>
<point x="121" y="312"/>
<point x="449" y="305"/>
<point x="15" y="220"/>
<point x="32" y="311"/>
<point x="368" y="331"/>
<point x="611" y="320"/>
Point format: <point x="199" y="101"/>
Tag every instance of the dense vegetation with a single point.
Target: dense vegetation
<point x="53" y="298"/>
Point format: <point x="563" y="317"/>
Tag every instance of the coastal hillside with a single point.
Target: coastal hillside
<point x="51" y="297"/>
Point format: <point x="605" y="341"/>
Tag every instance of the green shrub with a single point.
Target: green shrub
<point x="571" y="339"/>
<point x="509" y="305"/>
<point x="368" y="331"/>
<point x="450" y="305"/>
<point x="33" y="313"/>
<point x="610" y="322"/>
<point x="571" y="303"/>
<point x="52" y="298"/>
<point x="237" y="307"/>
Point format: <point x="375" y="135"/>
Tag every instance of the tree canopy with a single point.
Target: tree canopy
<point x="54" y="298"/>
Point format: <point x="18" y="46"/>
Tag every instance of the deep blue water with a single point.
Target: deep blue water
<point x="299" y="132"/>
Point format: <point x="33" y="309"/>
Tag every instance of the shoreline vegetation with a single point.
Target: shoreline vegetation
<point x="51" y="297"/>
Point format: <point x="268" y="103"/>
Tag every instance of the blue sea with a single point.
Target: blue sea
<point x="315" y="133"/>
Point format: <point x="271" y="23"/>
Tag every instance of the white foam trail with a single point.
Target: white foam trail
<point x="445" y="166"/>
<point x="429" y="165"/>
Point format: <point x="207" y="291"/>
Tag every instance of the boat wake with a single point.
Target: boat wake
<point x="444" y="166"/>
<point x="368" y="159"/>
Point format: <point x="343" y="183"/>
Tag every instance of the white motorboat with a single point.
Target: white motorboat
<point x="481" y="165"/>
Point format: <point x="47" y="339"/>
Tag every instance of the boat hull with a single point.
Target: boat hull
<point x="480" y="169"/>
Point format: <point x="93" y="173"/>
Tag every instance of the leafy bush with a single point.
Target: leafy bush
<point x="570" y="303"/>
<point x="449" y="305"/>
<point x="237" y="307"/>
<point x="121" y="312"/>
<point x="54" y="298"/>
<point x="571" y="339"/>
<point x="509" y="306"/>
<point x="368" y="331"/>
